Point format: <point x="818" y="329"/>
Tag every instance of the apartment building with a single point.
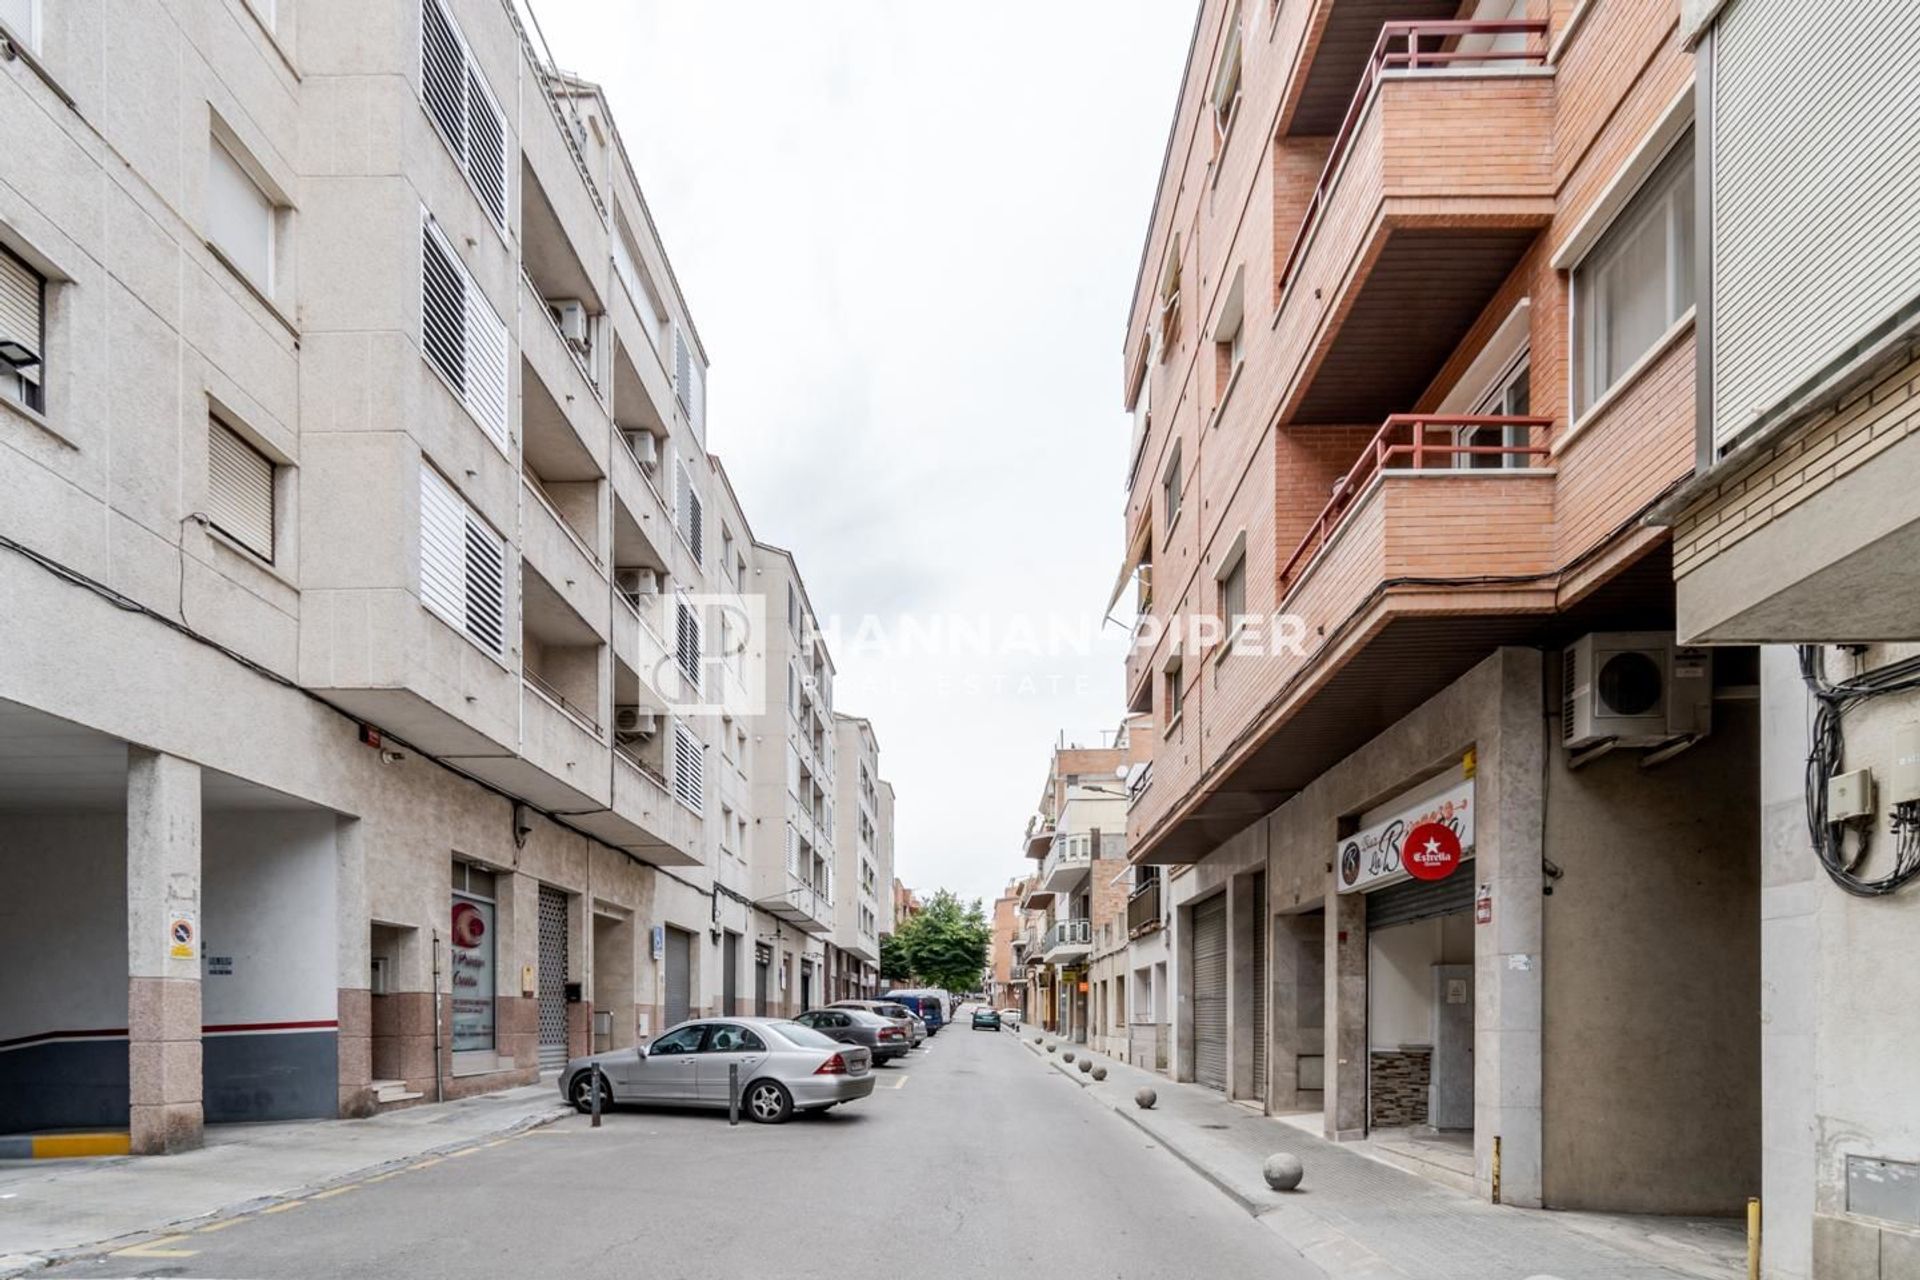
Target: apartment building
<point x="1798" y="534"/>
<point x="367" y="737"/>
<point x="863" y="842"/>
<point x="1007" y="979"/>
<point x="1411" y="360"/>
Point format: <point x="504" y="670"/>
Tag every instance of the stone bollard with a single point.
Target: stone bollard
<point x="1086" y="1064"/>
<point x="1283" y="1171"/>
<point x="1053" y="1048"/>
<point x="1067" y="1056"/>
<point x="1145" y="1098"/>
<point x="1099" y="1073"/>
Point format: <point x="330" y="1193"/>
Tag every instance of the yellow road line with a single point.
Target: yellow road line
<point x="283" y="1207"/>
<point x="425" y="1164"/>
<point x="464" y="1151"/>
<point x="331" y="1192"/>
<point x="381" y="1177"/>
<point x="155" y="1249"/>
<point x="223" y="1224"/>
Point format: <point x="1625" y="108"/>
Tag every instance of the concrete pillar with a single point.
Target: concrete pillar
<point x="163" y="953"/>
<point x="353" y="962"/>
<point x="1345" y="1115"/>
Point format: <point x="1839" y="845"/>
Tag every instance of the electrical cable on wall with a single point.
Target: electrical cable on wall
<point x="1832" y="701"/>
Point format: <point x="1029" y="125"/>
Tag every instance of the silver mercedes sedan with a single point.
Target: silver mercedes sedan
<point x="783" y="1068"/>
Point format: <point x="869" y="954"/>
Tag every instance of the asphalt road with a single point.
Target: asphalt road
<point x="971" y="1159"/>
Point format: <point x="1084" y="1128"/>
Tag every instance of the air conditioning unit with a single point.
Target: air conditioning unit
<point x="637" y="582"/>
<point x="635" y="722"/>
<point x="1635" y="689"/>
<point x="644" y="447"/>
<point x="571" y="315"/>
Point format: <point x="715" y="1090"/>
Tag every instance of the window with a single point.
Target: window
<point x="1170" y="300"/>
<point x="462" y="564"/>
<point x="1170" y="489"/>
<point x="730" y="1039"/>
<point x="1226" y="85"/>
<point x="689" y="767"/>
<point x="1175" y="695"/>
<point x="464" y="112"/>
<point x="686" y="644"/>
<point x="1638" y="280"/>
<point x="685" y="1040"/>
<point x="240" y="216"/>
<point x="22" y="18"/>
<point x="460" y="335"/>
<point x="689" y="515"/>
<point x="471" y="940"/>
<point x="23" y="333"/>
<point x="1511" y="397"/>
<point x="793" y="610"/>
<point x="689" y="380"/>
<point x="1233" y="599"/>
<point x="239" y="490"/>
<point x="1228" y="332"/>
<point x="727" y="557"/>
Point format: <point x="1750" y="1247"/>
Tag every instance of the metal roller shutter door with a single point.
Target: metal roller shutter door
<point x="1261" y="925"/>
<point x="1210" y="993"/>
<point x="553" y="979"/>
<point x="679" y="976"/>
<point x="1413" y="900"/>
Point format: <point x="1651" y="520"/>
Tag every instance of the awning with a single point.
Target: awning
<point x="1136" y="552"/>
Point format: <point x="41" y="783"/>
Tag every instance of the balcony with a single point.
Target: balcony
<point x="1439" y="177"/>
<point x="1067" y="941"/>
<point x="555" y="549"/>
<point x="1143" y="908"/>
<point x="644" y="818"/>
<point x="1065" y="868"/>
<point x="557" y="385"/>
<point x="800" y="905"/>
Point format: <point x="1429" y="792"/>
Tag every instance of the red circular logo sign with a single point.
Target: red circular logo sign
<point x="469" y="926"/>
<point x="1431" y="852"/>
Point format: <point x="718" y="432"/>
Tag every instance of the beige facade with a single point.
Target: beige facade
<point x="367" y="571"/>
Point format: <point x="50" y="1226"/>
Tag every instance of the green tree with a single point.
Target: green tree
<point x="894" y="966"/>
<point x="944" y="946"/>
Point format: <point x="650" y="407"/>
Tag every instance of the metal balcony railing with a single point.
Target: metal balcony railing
<point x="553" y="695"/>
<point x="1409" y="440"/>
<point x="1070" y="933"/>
<point x="1143" y="907"/>
<point x="1067" y="851"/>
<point x="1421" y="46"/>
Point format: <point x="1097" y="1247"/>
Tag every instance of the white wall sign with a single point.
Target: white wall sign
<point x="1370" y="859"/>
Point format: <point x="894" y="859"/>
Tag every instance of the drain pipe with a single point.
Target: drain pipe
<point x="439" y="1086"/>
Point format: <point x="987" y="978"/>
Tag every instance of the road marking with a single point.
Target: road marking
<point x="223" y="1224"/>
<point x="425" y="1164"/>
<point x="334" y="1191"/>
<point x="464" y="1151"/>
<point x="283" y="1206"/>
<point x="497" y="1142"/>
<point x="154" y="1249"/>
<point x="382" y="1177"/>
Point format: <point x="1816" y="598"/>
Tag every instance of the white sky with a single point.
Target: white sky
<point x="908" y="233"/>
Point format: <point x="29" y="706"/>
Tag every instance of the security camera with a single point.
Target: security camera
<point x="390" y="756"/>
<point x="522" y="825"/>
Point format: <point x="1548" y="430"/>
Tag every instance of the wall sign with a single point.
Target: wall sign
<point x="1374" y="858"/>
<point x="472" y="978"/>
<point x="182" y="936"/>
<point x="1431" y="851"/>
<point x="659" y="941"/>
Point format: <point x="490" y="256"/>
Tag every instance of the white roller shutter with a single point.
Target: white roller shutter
<point x="239" y="490"/>
<point x="460" y="335"/>
<point x="22" y="303"/>
<point x="1210" y="992"/>
<point x="689" y="767"/>
<point x="1816" y="155"/>
<point x="461" y="107"/>
<point x="462" y="564"/>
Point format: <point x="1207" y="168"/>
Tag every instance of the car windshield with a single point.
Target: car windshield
<point x="805" y="1037"/>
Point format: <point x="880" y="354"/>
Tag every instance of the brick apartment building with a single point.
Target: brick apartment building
<point x="1410" y="355"/>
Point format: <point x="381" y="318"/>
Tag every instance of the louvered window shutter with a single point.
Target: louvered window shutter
<point x="486" y="586"/>
<point x="687" y="645"/>
<point x="461" y="335"/>
<point x="22" y="310"/>
<point x="682" y="370"/>
<point x="462" y="564"/>
<point x="462" y="109"/>
<point x="240" y="490"/>
<point x="689" y="767"/>
<point x="696" y="527"/>
<point x="486" y="149"/>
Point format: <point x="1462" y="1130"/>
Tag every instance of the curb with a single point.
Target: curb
<point x="20" y="1264"/>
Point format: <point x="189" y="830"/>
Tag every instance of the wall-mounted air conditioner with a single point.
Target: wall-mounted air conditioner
<point x="634" y="583"/>
<point x="1635" y="689"/>
<point x="571" y="315"/>
<point x="632" y="722"/>
<point x="644" y="447"/>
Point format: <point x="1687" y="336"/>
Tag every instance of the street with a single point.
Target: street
<point x="971" y="1159"/>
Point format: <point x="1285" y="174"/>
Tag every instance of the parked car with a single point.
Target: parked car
<point x="884" y="1037"/>
<point x="908" y="1020"/>
<point x="925" y="1005"/>
<point x="986" y="1020"/>
<point x="1010" y="1017"/>
<point x="784" y="1067"/>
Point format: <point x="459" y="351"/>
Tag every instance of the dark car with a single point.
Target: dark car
<point x="986" y="1020"/>
<point x="923" y="1005"/>
<point x="885" y="1037"/>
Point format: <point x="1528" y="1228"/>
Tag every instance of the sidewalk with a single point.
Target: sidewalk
<point x="51" y="1208"/>
<point x="1358" y="1218"/>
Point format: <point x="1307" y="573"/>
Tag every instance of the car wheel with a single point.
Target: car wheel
<point x="582" y="1094"/>
<point x="768" y="1102"/>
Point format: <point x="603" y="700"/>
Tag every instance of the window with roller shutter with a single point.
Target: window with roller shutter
<point x="239" y="490"/>
<point x="462" y="109"/>
<point x="461" y="336"/>
<point x="23" y="306"/>
<point x="462" y="565"/>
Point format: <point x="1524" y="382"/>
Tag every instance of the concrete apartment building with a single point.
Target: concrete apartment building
<point x="1411" y="359"/>
<point x="369" y="716"/>
<point x="863" y="836"/>
<point x="1801" y="529"/>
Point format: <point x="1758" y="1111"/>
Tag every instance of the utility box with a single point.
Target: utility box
<point x="1850" y="796"/>
<point x="1904" y="785"/>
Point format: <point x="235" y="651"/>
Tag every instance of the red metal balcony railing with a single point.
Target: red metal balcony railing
<point x="1421" y="46"/>
<point x="1409" y="440"/>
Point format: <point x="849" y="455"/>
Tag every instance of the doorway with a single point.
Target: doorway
<point x="1420" y="1019"/>
<point x="553" y="979"/>
<point x="679" y="976"/>
<point x="1210" y="992"/>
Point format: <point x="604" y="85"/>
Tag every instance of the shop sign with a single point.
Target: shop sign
<point x="1376" y="857"/>
<point x="1431" y="852"/>
<point x="472" y="977"/>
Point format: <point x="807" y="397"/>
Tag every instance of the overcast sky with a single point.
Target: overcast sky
<point x="908" y="233"/>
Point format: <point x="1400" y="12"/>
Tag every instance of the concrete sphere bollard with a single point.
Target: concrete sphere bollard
<point x="1099" y="1073"/>
<point x="1283" y="1171"/>
<point x="1086" y="1064"/>
<point x="1145" y="1098"/>
<point x="1053" y="1048"/>
<point x="1067" y="1056"/>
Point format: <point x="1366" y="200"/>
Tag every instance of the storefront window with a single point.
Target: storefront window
<point x="472" y="952"/>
